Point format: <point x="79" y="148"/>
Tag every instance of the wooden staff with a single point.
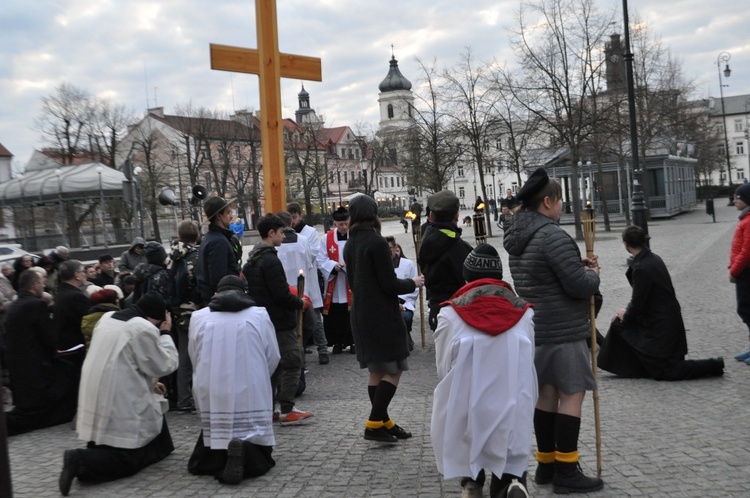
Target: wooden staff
<point x="300" y="313"/>
<point x="589" y="234"/>
<point x="417" y="232"/>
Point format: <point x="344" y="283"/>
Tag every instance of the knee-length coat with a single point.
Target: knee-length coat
<point x="378" y="328"/>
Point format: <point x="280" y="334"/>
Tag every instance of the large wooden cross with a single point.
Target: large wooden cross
<point x="270" y="65"/>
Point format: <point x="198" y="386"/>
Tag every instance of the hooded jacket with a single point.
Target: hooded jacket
<point x="546" y="266"/>
<point x="129" y="259"/>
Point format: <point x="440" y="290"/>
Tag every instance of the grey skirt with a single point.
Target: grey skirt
<point x="388" y="367"/>
<point x="566" y="366"/>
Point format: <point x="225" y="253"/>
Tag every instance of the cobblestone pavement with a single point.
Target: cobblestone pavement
<point x="658" y="439"/>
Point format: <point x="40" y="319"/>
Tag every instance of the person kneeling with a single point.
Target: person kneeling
<point x="647" y="338"/>
<point x="484" y="343"/>
<point x="233" y="348"/>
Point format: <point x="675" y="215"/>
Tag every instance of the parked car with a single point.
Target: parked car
<point x="10" y="252"/>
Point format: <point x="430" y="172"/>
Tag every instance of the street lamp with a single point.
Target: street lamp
<point x="363" y="163"/>
<point x="137" y="173"/>
<point x="724" y="57"/>
<point x="58" y="172"/>
<point x="101" y="204"/>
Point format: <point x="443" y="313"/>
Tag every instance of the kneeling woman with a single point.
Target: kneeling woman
<point x="379" y="331"/>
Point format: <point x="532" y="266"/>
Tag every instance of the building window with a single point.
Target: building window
<point x="390" y="111"/>
<point x="739" y="148"/>
<point x="237" y="152"/>
<point x="461" y="192"/>
<point x="740" y="174"/>
<point x="222" y="152"/>
<point x="391" y="182"/>
<point x="460" y="171"/>
<point x="738" y="125"/>
<point x="345" y="180"/>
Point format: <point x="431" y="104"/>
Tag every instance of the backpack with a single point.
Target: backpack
<point x="181" y="287"/>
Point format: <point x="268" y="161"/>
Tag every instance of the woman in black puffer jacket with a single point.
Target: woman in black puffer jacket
<point x="548" y="271"/>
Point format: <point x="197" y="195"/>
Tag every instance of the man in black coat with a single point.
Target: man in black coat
<point x="216" y="256"/>
<point x="71" y="304"/>
<point x="45" y="388"/>
<point x="647" y="339"/>
<point x="442" y="253"/>
<point x="268" y="287"/>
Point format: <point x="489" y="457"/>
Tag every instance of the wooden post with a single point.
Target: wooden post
<point x="270" y="65"/>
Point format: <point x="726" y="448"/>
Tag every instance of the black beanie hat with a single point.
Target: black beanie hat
<point x="363" y="208"/>
<point x="155" y="253"/>
<point x="743" y="192"/>
<point x="231" y="282"/>
<point x="153" y="305"/>
<point x="536" y="182"/>
<point x="483" y="262"/>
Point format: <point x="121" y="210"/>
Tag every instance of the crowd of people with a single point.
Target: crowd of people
<point x="199" y="327"/>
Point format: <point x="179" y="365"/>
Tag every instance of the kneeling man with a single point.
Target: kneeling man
<point x="233" y="349"/>
<point x="121" y="404"/>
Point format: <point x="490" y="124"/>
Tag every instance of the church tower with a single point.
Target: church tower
<point x="615" y="65"/>
<point x="305" y="114"/>
<point x="396" y="100"/>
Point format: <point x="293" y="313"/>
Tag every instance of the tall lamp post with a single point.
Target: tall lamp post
<point x="363" y="164"/>
<point x="724" y="57"/>
<point x="137" y="173"/>
<point x="101" y="204"/>
<point x="638" y="202"/>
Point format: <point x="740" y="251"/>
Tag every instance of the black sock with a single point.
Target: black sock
<point x="371" y="393"/>
<point x="544" y="428"/>
<point x="383" y="396"/>
<point x="567" y="428"/>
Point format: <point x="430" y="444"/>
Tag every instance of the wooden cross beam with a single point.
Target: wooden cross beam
<point x="270" y="65"/>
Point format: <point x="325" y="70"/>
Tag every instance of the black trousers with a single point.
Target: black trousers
<point x="207" y="461"/>
<point x="337" y="326"/>
<point x="620" y="358"/>
<point x="101" y="463"/>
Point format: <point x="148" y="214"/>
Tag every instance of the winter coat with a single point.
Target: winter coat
<point x="179" y="251"/>
<point x="267" y="285"/>
<point x="151" y="278"/>
<point x="71" y="304"/>
<point x="90" y="320"/>
<point x="441" y="257"/>
<point x="739" y="257"/>
<point x="547" y="271"/>
<point x="38" y="378"/>
<point x="129" y="259"/>
<point x="653" y="319"/>
<point x="216" y="259"/>
<point x="377" y="326"/>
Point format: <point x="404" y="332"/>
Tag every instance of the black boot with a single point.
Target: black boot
<point x="570" y="479"/>
<point x="544" y="473"/>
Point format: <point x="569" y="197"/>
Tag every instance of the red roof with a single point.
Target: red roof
<point x="4" y="152"/>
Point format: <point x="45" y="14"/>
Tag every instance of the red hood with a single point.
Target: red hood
<point x="488" y="310"/>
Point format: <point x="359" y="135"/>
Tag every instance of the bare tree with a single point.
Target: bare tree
<point x="433" y="150"/>
<point x="151" y="152"/>
<point x="308" y="162"/>
<point x="473" y="98"/>
<point x="64" y="120"/>
<point x="556" y="42"/>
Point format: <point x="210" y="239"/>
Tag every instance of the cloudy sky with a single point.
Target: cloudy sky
<point x="147" y="53"/>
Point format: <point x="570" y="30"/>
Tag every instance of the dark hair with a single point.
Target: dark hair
<point x="130" y="280"/>
<point x="553" y="190"/>
<point x="28" y="279"/>
<point x="269" y="222"/>
<point x="634" y="236"/>
<point x="294" y="208"/>
<point x="285" y="217"/>
<point x="69" y="268"/>
<point x="188" y="231"/>
<point x="391" y="239"/>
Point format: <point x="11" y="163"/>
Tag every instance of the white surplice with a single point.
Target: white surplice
<point x="233" y="356"/>
<point x="483" y="408"/>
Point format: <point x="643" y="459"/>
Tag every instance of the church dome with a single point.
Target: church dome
<point x="303" y="92"/>
<point x="394" y="80"/>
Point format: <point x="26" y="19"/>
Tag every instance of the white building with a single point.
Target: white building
<point x="735" y="118"/>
